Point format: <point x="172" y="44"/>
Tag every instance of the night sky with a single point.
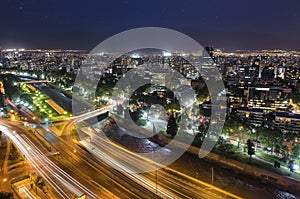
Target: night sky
<point x="229" y="24"/>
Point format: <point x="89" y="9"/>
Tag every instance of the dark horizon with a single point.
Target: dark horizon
<point x="233" y="25"/>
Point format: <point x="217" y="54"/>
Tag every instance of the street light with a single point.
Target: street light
<point x="46" y="120"/>
<point x="254" y="131"/>
<point x="240" y="128"/>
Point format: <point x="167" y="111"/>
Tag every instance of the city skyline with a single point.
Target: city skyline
<point x="149" y="99"/>
<point x="40" y="88"/>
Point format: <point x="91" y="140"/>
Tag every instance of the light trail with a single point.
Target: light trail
<point x="23" y="189"/>
<point x="91" y="114"/>
<point x="61" y="171"/>
<point x="49" y="171"/>
<point x="115" y="155"/>
<point x="137" y="178"/>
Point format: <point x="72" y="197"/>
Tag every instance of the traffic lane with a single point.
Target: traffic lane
<point x="69" y="153"/>
<point x="101" y="174"/>
<point x="127" y="172"/>
<point x="25" y="149"/>
<point x="59" y="174"/>
<point x="105" y="176"/>
<point x="237" y="184"/>
<point x="45" y="171"/>
<point x="178" y="184"/>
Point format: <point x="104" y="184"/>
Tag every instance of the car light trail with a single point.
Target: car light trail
<point x="49" y="171"/>
<point x="116" y="156"/>
<point x="23" y="189"/>
<point x="137" y="178"/>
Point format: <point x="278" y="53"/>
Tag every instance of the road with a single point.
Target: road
<point x="125" y="187"/>
<point x="100" y="175"/>
<point x="165" y="184"/>
<point x="191" y="165"/>
<point x="25" y="193"/>
<point x="83" y="166"/>
<point x="60" y="181"/>
<point x="171" y="184"/>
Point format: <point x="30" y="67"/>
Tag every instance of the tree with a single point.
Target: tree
<point x="270" y="136"/>
<point x="6" y="195"/>
<point x="295" y="98"/>
<point x="202" y="94"/>
<point x="12" y="90"/>
<point x="234" y="126"/>
<point x="277" y="149"/>
<point x="296" y="152"/>
<point x="285" y="152"/>
<point x="289" y="137"/>
<point x="172" y="126"/>
<point x="26" y="97"/>
<point x="136" y="115"/>
<point x="224" y="146"/>
<point x="251" y="149"/>
<point x="1" y="100"/>
<point x="173" y="106"/>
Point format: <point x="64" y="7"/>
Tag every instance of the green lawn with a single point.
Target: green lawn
<point x="244" y="157"/>
<point x="269" y="157"/>
<point x="40" y="107"/>
<point x="164" y="132"/>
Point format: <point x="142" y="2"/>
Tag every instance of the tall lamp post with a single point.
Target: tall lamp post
<point x="254" y="131"/>
<point x="239" y="133"/>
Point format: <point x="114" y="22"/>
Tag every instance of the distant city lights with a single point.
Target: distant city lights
<point x="167" y="54"/>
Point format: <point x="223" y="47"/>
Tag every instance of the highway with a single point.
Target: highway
<point x="165" y="183"/>
<point x="60" y="181"/>
<point x="171" y="184"/>
<point x="78" y="163"/>
<point x="84" y="167"/>
<point x="168" y="186"/>
<point x="25" y="192"/>
<point x="100" y="175"/>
